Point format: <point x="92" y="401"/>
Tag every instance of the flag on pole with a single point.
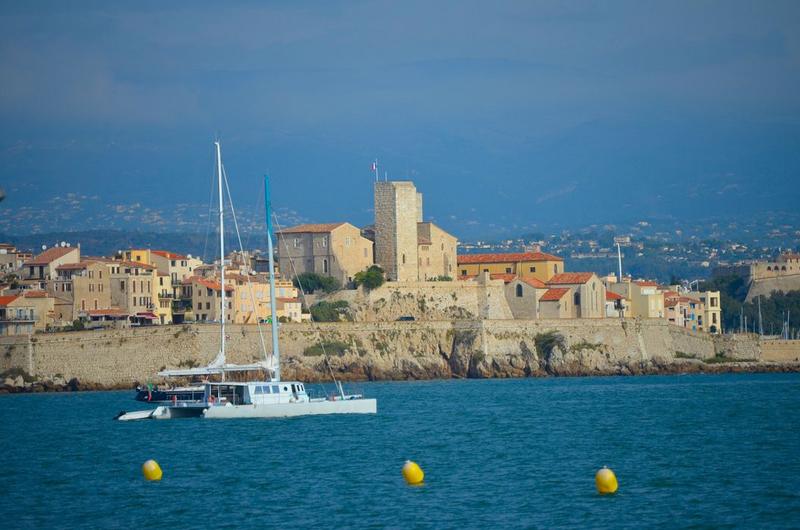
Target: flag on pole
<point x="374" y="166"/>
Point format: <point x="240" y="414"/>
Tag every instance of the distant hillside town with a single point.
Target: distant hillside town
<point x="61" y="288"/>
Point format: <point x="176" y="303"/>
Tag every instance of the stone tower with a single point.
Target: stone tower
<point x="398" y="207"/>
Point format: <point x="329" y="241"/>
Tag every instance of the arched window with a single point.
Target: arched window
<point x="519" y="291"/>
<point x="325" y="266"/>
<point x="769" y="268"/>
<point x="577" y="300"/>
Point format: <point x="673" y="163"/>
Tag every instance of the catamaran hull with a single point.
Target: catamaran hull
<point x="274" y="410"/>
<point x="288" y="410"/>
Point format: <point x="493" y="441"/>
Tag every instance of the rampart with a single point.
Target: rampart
<point x="381" y="350"/>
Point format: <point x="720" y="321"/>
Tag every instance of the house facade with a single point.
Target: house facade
<point x="539" y="265"/>
<point x="334" y="249"/>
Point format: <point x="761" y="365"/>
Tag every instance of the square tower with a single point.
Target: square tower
<point x="396" y="215"/>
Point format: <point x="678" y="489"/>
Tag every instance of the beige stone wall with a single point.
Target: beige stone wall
<point x="396" y="230"/>
<point x="374" y="350"/>
<point x="437" y="258"/>
<point x="526" y="306"/>
<point x="780" y="350"/>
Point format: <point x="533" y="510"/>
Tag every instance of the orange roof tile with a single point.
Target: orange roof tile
<point x="167" y="254"/>
<point x="611" y="295"/>
<point x="509" y="257"/>
<point x="533" y="282"/>
<point x="137" y="264"/>
<point x="50" y="255"/>
<point x="554" y="295"/>
<point x="5" y="300"/>
<point x="507" y="278"/>
<point x="35" y="294"/>
<point x="570" y="278"/>
<point x="643" y="283"/>
<point x="320" y="228"/>
<point x="210" y="283"/>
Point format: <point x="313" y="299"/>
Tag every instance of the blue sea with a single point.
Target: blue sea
<point x="688" y="451"/>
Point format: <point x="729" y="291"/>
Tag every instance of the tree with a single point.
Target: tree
<point x="308" y="282"/>
<point x="372" y="278"/>
<point x="329" y="311"/>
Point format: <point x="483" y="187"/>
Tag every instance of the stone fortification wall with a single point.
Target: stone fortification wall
<point x="378" y="350"/>
<point x="456" y="300"/>
<point x="781" y="350"/>
<point x="785" y="283"/>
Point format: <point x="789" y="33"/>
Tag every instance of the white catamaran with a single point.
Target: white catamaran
<point x="270" y="398"/>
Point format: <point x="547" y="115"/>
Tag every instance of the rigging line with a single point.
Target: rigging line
<point x="303" y="295"/>
<point x="273" y="310"/>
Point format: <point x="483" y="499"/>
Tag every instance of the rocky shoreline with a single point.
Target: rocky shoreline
<point x="24" y="384"/>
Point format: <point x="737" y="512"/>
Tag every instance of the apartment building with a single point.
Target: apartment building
<point x="539" y="265"/>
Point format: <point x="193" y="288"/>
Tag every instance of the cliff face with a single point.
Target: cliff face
<point x="383" y="350"/>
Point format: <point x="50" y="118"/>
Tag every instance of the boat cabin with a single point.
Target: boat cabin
<point x="255" y="393"/>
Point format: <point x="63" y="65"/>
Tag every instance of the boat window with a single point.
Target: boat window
<point x="294" y="389"/>
<point x="275" y="389"/>
<point x="286" y="389"/>
<point x="265" y="389"/>
<point x="258" y="390"/>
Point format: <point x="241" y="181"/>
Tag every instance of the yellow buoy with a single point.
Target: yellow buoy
<point x="151" y="470"/>
<point x="413" y="473"/>
<point x="606" y="481"/>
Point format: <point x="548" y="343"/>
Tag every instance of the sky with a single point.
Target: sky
<point x="509" y="116"/>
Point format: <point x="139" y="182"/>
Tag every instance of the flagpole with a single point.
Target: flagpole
<point x="376" y="169"/>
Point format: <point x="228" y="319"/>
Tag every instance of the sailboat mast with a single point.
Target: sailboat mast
<point x="221" y="254"/>
<point x="276" y="354"/>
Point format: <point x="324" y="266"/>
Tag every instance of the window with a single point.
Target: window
<point x="519" y="291"/>
<point x="208" y="306"/>
<point x="508" y="270"/>
<point x="325" y="266"/>
<point x="348" y="241"/>
<point x="199" y="306"/>
<point x="485" y="270"/>
<point x="404" y="259"/>
<point x="83" y="305"/>
<point x="463" y="272"/>
<point x="577" y="300"/>
<point x="555" y="269"/>
<point x="95" y="303"/>
<point x="296" y="242"/>
<point x="122" y="285"/>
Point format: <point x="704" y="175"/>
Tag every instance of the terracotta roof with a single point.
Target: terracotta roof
<point x="5" y="300"/>
<point x="137" y="264"/>
<point x="284" y="300"/>
<point x="611" y="295"/>
<point x="509" y="257"/>
<point x="570" y="278"/>
<point x="671" y="303"/>
<point x="35" y="294"/>
<point x="533" y="282"/>
<point x="210" y="283"/>
<point x="507" y="278"/>
<point x="50" y="255"/>
<point x="554" y="295"/>
<point x="72" y="266"/>
<point x="643" y="283"/>
<point x="311" y="228"/>
<point x="167" y="254"/>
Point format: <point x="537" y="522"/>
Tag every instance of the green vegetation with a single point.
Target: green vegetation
<point x="586" y="345"/>
<point x="442" y="278"/>
<point x="684" y="355"/>
<point x="15" y="372"/>
<point x="372" y="278"/>
<point x="330" y="311"/>
<point x="188" y="363"/>
<point x="547" y="342"/>
<point x="310" y="282"/>
<point x="77" y="325"/>
<point x="334" y="347"/>
<point x="717" y="359"/>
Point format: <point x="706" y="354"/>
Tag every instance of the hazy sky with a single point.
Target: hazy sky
<point x="507" y="114"/>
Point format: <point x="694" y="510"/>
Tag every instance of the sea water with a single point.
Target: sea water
<point x="712" y="451"/>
